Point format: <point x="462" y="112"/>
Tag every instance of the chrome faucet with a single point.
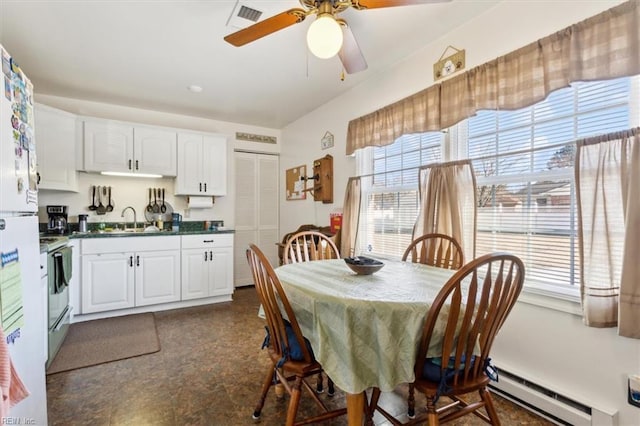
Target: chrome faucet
<point x="135" y="221"/>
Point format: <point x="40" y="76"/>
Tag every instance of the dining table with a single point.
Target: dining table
<point x="364" y="329"/>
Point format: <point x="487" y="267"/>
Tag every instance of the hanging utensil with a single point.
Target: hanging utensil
<point x="163" y="207"/>
<point x="110" y="204"/>
<point x="93" y="198"/>
<point x="101" y="208"/>
<point x="156" y="207"/>
<point x="149" y="206"/>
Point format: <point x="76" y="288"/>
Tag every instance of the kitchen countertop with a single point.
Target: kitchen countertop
<point x="118" y="234"/>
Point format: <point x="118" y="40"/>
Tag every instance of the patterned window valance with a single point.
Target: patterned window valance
<point x="601" y="47"/>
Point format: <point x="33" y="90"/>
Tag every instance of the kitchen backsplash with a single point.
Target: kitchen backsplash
<point x="127" y="191"/>
<point x="185" y="226"/>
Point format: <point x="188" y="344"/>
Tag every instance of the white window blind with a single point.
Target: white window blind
<point x="523" y="161"/>
<point x="390" y="193"/>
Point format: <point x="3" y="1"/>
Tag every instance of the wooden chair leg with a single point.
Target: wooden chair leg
<point x="411" y="402"/>
<point x="296" y="391"/>
<point x="332" y="390"/>
<point x="432" y="415"/>
<point x="266" y="384"/>
<point x="371" y="407"/>
<point x="279" y="388"/>
<point x="319" y="385"/>
<point x="491" y="409"/>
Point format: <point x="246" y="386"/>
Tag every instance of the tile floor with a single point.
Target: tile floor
<point x="208" y="372"/>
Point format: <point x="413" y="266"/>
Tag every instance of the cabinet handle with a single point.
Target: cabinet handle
<point x="137" y="165"/>
<point x="207" y="241"/>
<point x="210" y="255"/>
<point x="205" y="256"/>
<point x="129" y="164"/>
<point x="131" y="261"/>
<point x="200" y="186"/>
<point x="205" y="187"/>
<point x="137" y="260"/>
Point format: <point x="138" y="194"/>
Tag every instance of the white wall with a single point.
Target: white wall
<point x="134" y="191"/>
<point x="554" y="347"/>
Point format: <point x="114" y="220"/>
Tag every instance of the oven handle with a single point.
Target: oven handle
<point x="61" y="320"/>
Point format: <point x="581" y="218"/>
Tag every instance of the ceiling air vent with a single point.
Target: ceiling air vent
<point x="249" y="13"/>
<point x="243" y="15"/>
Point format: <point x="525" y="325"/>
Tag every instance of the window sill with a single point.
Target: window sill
<point x="552" y="297"/>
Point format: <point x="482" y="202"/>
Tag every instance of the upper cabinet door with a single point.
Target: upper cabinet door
<point x="189" y="177"/>
<point x="108" y="147"/>
<point x="202" y="165"/>
<point x="56" y="147"/>
<point x="214" y="167"/>
<point x="155" y="151"/>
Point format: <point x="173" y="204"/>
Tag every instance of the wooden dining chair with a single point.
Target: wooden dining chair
<point x="307" y="246"/>
<point x="460" y="328"/>
<point x="438" y="250"/>
<point x="292" y="360"/>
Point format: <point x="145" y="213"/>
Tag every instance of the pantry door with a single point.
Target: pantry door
<point x="256" y="205"/>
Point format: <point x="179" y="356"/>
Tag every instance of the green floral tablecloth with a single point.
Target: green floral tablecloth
<point x="364" y="330"/>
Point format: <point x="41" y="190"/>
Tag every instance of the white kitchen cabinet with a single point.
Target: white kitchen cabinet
<point x="55" y="135"/>
<point x="207" y="265"/>
<point x="107" y="282"/>
<point x="202" y="165"/>
<point x="155" y="150"/>
<point x="157" y="277"/>
<point x="119" y="147"/>
<point x="120" y="273"/>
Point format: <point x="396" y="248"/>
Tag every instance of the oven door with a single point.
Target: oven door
<point x="58" y="299"/>
<point x="57" y="333"/>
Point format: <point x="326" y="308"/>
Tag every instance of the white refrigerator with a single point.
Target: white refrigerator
<point x="22" y="296"/>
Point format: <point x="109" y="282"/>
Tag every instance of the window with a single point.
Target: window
<point x="523" y="161"/>
<point x="390" y="192"/>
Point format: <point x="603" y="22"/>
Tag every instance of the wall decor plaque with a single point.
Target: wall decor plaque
<point x="327" y="140"/>
<point x="250" y="137"/>
<point x="449" y="64"/>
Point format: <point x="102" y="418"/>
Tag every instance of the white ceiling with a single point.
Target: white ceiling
<point x="146" y="53"/>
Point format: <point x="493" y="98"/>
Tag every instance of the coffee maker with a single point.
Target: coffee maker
<point x="57" y="219"/>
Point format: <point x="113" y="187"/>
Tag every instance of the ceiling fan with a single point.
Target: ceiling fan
<point x="328" y="35"/>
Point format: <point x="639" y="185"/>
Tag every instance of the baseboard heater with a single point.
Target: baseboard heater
<point x="545" y="402"/>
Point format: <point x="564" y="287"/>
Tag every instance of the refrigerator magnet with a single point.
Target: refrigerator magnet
<point x="6" y="67"/>
<point x="15" y="68"/>
<point x="7" y="89"/>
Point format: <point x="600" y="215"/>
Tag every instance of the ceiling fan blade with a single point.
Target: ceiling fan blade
<point x="350" y="53"/>
<point x="375" y="4"/>
<point x="266" y="27"/>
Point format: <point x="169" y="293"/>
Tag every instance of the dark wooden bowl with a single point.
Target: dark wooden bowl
<point x="363" y="265"/>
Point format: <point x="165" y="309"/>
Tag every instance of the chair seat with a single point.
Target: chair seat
<point x="431" y="387"/>
<point x="295" y="366"/>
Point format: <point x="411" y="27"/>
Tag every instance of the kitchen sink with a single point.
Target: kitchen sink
<point x="147" y="230"/>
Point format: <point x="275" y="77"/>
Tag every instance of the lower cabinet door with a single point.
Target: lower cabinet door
<point x="195" y="273"/>
<point x="157" y="277"/>
<point x="221" y="272"/>
<point x="107" y="282"/>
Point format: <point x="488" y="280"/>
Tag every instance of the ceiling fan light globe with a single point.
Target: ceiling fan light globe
<point x="324" y="37"/>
